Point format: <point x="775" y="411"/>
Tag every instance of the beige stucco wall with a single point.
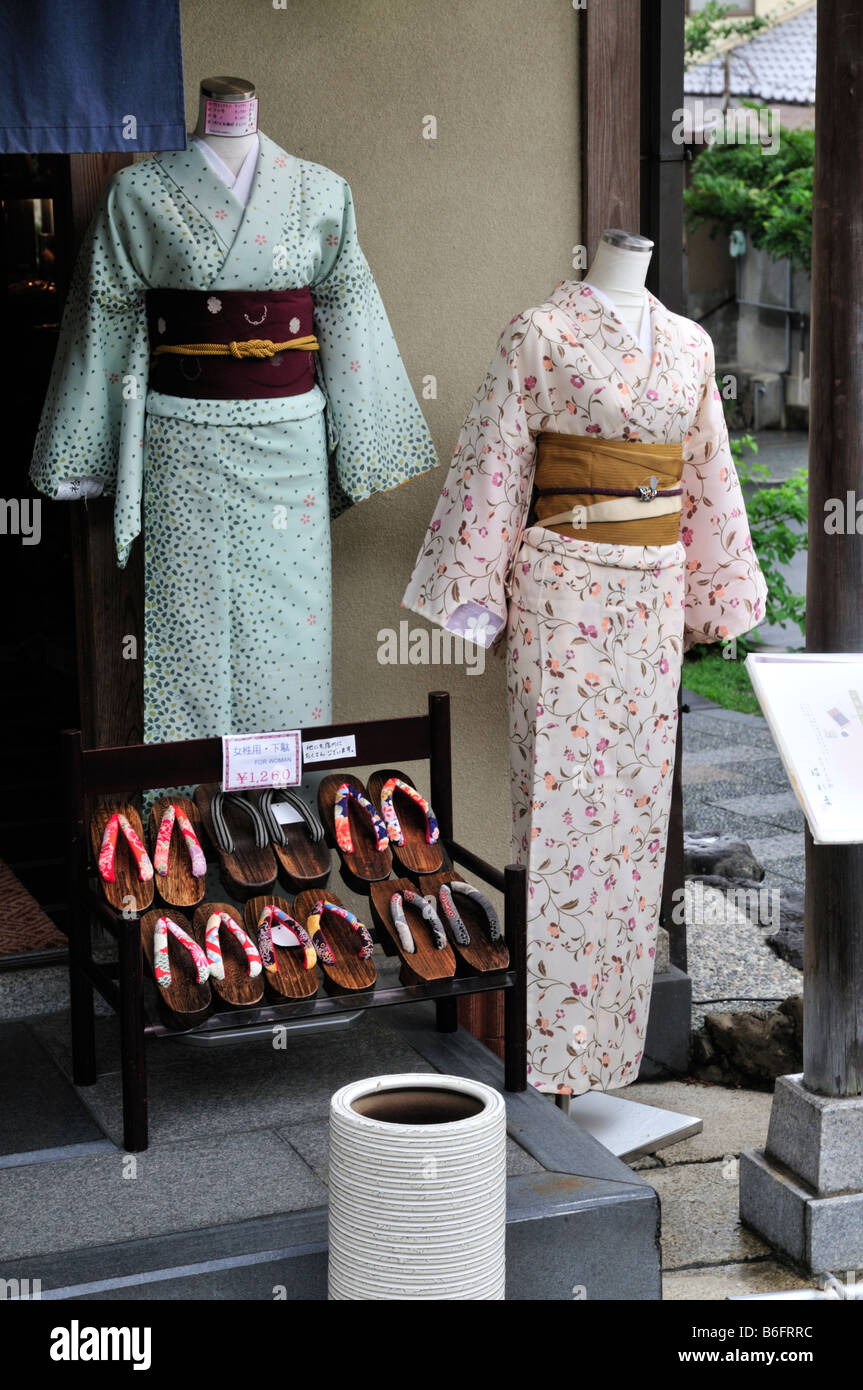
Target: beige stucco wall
<point x="460" y="235"/>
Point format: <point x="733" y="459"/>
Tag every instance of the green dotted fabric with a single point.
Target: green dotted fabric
<point x="237" y="560"/>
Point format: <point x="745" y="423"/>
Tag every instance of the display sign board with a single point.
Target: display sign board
<point x="251" y="761"/>
<point x="813" y="703"/>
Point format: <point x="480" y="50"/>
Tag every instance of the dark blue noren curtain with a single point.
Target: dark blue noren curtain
<point x="90" y="76"/>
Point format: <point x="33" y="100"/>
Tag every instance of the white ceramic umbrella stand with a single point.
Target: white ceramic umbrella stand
<point x="417" y="1178"/>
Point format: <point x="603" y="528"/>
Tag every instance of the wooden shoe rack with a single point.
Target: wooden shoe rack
<point x="89" y="774"/>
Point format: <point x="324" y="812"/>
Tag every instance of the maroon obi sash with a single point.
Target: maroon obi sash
<point x="222" y="317"/>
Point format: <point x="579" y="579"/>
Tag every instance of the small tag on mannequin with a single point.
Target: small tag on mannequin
<point x="231" y="117"/>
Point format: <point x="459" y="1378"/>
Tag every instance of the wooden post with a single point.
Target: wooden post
<point x="833" y="965"/>
<point x="610" y="44"/>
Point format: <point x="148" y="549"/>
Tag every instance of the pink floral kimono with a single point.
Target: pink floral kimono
<point x="595" y="637"/>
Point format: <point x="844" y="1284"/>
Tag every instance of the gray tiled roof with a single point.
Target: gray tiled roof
<point x="777" y="65"/>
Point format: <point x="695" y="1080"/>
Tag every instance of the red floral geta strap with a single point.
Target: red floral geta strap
<point x="162" y="852"/>
<point x="108" y="849"/>
<point x="161" y="962"/>
<point x="214" y="946"/>
<point x="343" y="827"/>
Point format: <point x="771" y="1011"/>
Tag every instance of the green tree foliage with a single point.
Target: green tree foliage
<point x="775" y="515"/>
<point x="768" y="196"/>
<point x="711" y="25"/>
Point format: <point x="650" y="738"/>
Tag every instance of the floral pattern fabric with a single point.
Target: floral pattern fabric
<point x="595" y="635"/>
<point x="108" y="849"/>
<point x="344" y="795"/>
<point x="272" y="914"/>
<point x="214" y="946"/>
<point x="390" y="815"/>
<point x="313" y="925"/>
<point x="571" y="365"/>
<point x="162" y="852"/>
<point x="161" y="960"/>
<point x="595" y="639"/>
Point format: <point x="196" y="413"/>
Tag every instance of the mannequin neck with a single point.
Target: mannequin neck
<point x="620" y="275"/>
<point x="231" y="149"/>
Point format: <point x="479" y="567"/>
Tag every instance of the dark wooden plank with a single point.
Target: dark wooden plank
<point x="119" y="768"/>
<point x="515" y="999"/>
<point x="833" y="965"/>
<point x="610" y="117"/>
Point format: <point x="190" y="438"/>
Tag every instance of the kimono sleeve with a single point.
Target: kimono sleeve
<point x="464" y="560"/>
<point x="92" y="422"/>
<point x="377" y="433"/>
<point x="725" y="588"/>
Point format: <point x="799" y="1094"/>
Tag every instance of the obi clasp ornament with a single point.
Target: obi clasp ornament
<point x="648" y="491"/>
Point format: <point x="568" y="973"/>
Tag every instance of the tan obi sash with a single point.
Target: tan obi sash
<point x="610" y="491"/>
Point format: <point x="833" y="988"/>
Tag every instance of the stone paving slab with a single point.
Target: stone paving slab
<point x="700" y="1220"/>
<point x="701" y="750"/>
<point x="712" y="775"/>
<point x="729" y="1281"/>
<point x="772" y="850"/>
<point x="181" y="1186"/>
<point x="778" y="808"/>
<point x="747" y="730"/>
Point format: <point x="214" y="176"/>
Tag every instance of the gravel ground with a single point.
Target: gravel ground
<point x="733" y="782"/>
<point x="729" y="956"/>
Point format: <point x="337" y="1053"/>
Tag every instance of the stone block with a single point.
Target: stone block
<point x="820" y="1138"/>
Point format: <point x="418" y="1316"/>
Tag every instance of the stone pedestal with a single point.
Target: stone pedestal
<point x="804" y="1192"/>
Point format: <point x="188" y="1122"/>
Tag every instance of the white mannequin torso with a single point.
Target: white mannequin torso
<point x="619" y="274"/>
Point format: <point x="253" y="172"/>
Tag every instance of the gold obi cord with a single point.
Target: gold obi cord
<point x="251" y="347"/>
<point x="610" y="491"/>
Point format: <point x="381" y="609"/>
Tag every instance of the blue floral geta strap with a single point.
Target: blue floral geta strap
<point x="314" y="928"/>
<point x="394" y="829"/>
<point x="271" y="914"/>
<point x="343" y="827"/>
<point x="467" y="890"/>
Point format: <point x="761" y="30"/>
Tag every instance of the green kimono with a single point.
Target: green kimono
<point x="235" y="495"/>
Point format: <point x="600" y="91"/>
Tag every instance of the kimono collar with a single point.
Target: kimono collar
<point x="587" y="300"/>
<point x="240" y="183"/>
<point x="645" y="334"/>
<point x="272" y="185"/>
